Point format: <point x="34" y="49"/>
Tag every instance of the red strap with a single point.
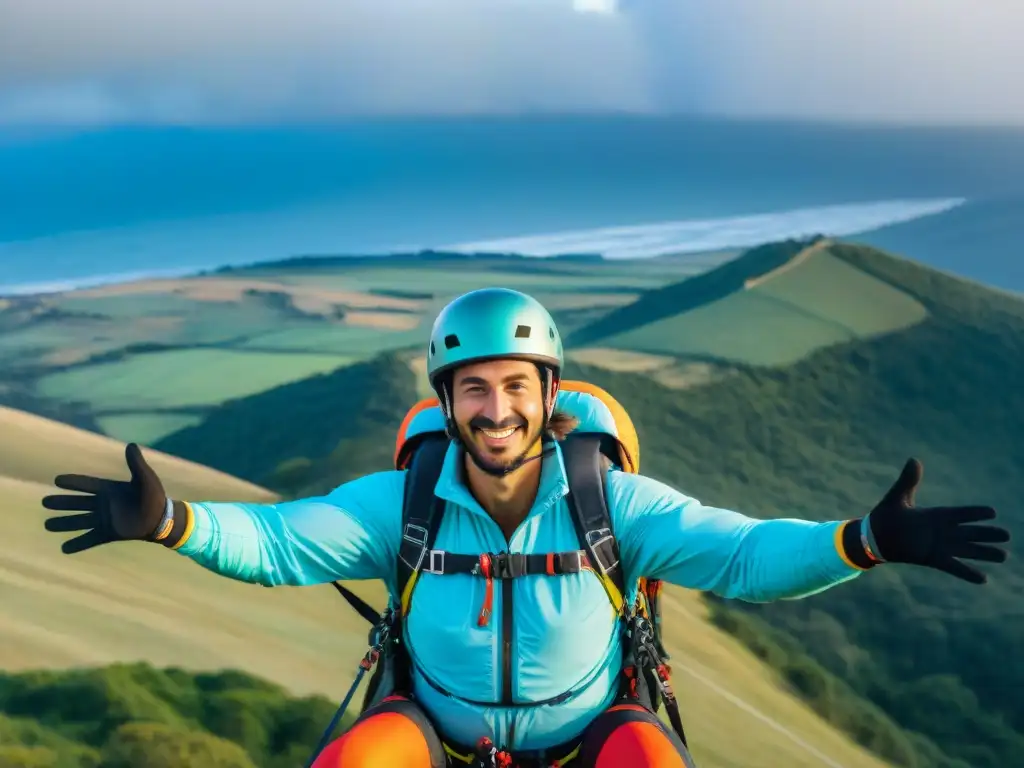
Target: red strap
<point x="653" y="588"/>
<point x="551" y="563"/>
<point x="485" y="611"/>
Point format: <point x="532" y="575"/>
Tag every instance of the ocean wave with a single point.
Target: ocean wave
<point x="702" y="235"/>
<point x="236" y="235"/>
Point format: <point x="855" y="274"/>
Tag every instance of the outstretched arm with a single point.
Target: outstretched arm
<point x="664" y="534"/>
<point x="351" y="533"/>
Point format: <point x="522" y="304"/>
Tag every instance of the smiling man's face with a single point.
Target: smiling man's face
<point x="499" y="410"/>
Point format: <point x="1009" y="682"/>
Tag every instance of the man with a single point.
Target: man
<point x="545" y="694"/>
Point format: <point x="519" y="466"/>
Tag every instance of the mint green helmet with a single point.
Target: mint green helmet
<point x="492" y="323"/>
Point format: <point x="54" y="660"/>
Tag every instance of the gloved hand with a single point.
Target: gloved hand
<point x="116" y="510"/>
<point x="896" y="531"/>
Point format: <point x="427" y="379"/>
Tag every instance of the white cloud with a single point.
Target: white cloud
<point x="927" y="60"/>
<point x="312" y="58"/>
<point x="193" y="60"/>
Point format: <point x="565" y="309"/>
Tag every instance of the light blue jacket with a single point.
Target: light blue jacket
<point x="564" y="630"/>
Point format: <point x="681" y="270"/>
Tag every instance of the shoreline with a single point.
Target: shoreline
<point x="626" y="242"/>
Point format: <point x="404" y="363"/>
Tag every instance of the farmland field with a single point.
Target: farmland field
<point x="177" y="378"/>
<point x="146" y="357"/>
<point x="146" y="428"/>
<point x="349" y="340"/>
<point x="235" y="333"/>
<point x="445" y="280"/>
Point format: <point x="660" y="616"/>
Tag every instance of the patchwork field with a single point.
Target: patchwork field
<point x="112" y="604"/>
<point x="146" y="396"/>
<point x="149" y="358"/>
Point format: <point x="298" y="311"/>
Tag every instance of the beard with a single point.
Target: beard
<point x="499" y="461"/>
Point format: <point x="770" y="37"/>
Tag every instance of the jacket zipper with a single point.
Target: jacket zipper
<point x="506" y="637"/>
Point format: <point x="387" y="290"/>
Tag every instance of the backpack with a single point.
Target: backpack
<point x="605" y="437"/>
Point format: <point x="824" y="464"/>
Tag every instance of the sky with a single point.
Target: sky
<point x="244" y="61"/>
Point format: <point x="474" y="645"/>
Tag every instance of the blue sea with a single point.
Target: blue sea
<point x="109" y="203"/>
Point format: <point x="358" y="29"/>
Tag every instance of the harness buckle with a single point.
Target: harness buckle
<point x="435" y="561"/>
<point x="508" y="565"/>
<point x="415" y="534"/>
<point x="643" y="630"/>
<point x="582" y="561"/>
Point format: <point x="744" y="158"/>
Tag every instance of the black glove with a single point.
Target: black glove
<point x="116" y="510"/>
<point x="935" y="537"/>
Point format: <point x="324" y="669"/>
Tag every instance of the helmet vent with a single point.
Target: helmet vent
<point x="522" y="332"/>
<point x="433" y="350"/>
<point x="551" y="332"/>
<point x="451" y="341"/>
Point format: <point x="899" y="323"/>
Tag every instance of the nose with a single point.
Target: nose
<point x="498" y="407"/>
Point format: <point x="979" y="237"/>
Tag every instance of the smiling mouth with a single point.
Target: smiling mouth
<point x="499" y="434"/>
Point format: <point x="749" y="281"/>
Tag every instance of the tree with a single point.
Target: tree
<point x="152" y="745"/>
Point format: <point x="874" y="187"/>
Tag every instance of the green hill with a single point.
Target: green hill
<point x="822" y="439"/>
<point x="773" y="305"/>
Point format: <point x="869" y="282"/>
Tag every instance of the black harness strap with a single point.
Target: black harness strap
<point x="422" y="510"/>
<point x="584" y="468"/>
<point x="361" y="606"/>
<point x="505" y="565"/>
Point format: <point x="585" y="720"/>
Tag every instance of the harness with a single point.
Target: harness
<point x="587" y="456"/>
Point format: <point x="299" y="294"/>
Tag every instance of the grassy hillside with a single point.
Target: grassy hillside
<point x="772" y="306"/>
<point x="823" y="439"/>
<point x="112" y="604"/>
<point x="983" y="240"/>
<point x="34" y="449"/>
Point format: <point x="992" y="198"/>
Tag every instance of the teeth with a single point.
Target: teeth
<point x="499" y="435"/>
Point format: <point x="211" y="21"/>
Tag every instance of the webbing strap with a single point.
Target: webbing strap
<point x="422" y="512"/>
<point x="590" y="515"/>
<point x="505" y="565"/>
<point x="361" y="606"/>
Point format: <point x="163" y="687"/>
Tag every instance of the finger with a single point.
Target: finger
<point x="902" y="491"/>
<point x="962" y="571"/>
<point x="67" y="523"/>
<point x="70" y="503"/>
<point x="959" y="515"/>
<point x="983" y="533"/>
<point x="88" y="540"/>
<point x="973" y="551"/>
<point x="136" y="461"/>
<point x="81" y="483"/>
